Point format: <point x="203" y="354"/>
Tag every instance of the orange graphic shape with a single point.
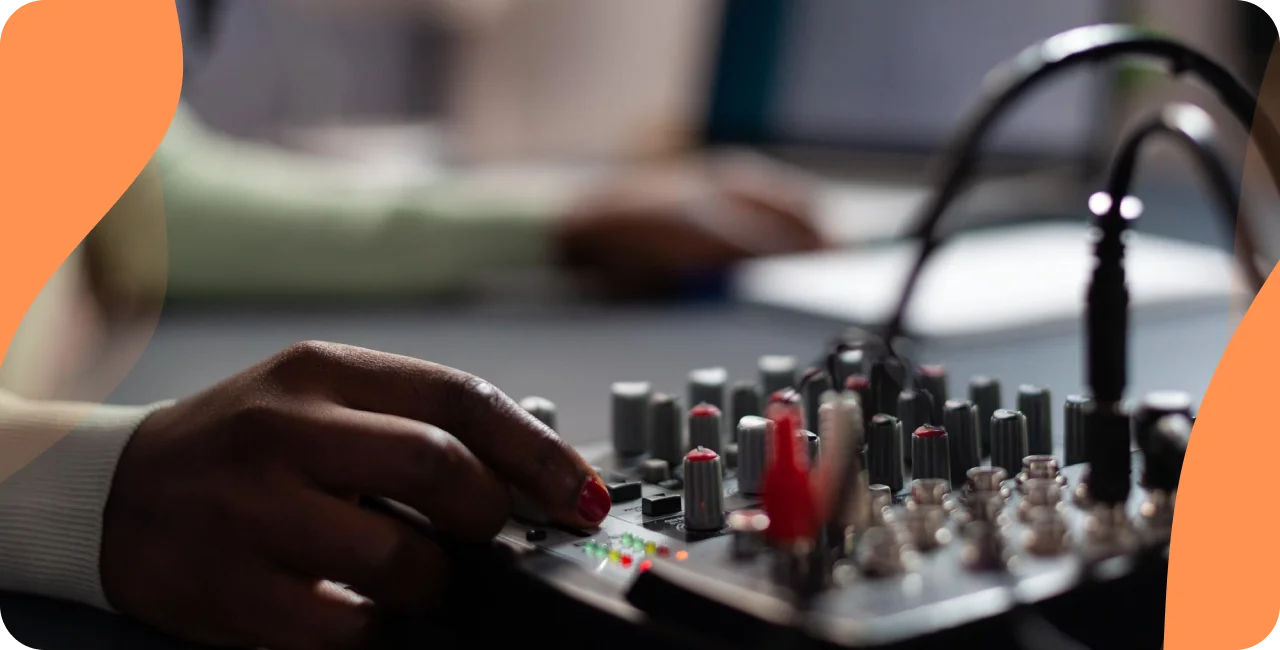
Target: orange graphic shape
<point x="90" y="88"/>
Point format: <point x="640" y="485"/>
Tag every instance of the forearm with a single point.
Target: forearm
<point x="57" y="461"/>
<point x="243" y="219"/>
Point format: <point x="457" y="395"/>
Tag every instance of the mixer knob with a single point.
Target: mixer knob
<point x="960" y="419"/>
<point x="848" y="364"/>
<point x="703" y="491"/>
<point x="1154" y="406"/>
<point x="886" y="384"/>
<point x="984" y="392"/>
<point x="631" y="417"/>
<point x="879" y="553"/>
<point x="915" y="409"/>
<point x="881" y="503"/>
<point x="704" y="427"/>
<point x="816" y="383"/>
<point x="1037" y="467"/>
<point x="707" y="386"/>
<point x="810" y="447"/>
<point x="753" y="441"/>
<point x="927" y="527"/>
<point x="1038" y="493"/>
<point x="1008" y="440"/>
<point x="987" y="480"/>
<point x="933" y="380"/>
<point x="1165" y="451"/>
<point x="884" y="452"/>
<point x="744" y="400"/>
<point x="655" y="470"/>
<point x="983" y="548"/>
<point x="929" y="491"/>
<point x="1073" y="416"/>
<point x="748" y="528"/>
<point x="777" y="372"/>
<point x="930" y="453"/>
<point x="786" y="401"/>
<point x="666" y="429"/>
<point x="1047" y="533"/>
<point x="542" y="409"/>
<point x="1034" y="402"/>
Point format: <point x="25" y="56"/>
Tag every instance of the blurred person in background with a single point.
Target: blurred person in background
<point x="246" y="216"/>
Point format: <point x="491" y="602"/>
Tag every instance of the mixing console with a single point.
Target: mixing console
<point x="870" y="528"/>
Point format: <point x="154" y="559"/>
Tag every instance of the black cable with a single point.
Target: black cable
<point x="1016" y="77"/>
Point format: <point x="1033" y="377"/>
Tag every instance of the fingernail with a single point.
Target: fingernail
<point x="594" y="501"/>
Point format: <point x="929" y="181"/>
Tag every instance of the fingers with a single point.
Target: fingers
<point x="406" y="460"/>
<point x="294" y="613"/>
<point x="318" y="535"/>
<point x="503" y="436"/>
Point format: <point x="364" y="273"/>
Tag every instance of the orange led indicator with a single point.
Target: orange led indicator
<point x="682" y="555"/>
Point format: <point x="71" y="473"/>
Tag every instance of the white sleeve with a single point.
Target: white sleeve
<point x="57" y="461"/>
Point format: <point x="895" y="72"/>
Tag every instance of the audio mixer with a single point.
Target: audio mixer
<point x="885" y="520"/>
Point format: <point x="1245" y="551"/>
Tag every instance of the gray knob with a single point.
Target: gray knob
<point x="666" y="429"/>
<point x="542" y="409"/>
<point x="960" y="419"/>
<point x="753" y="440"/>
<point x="816" y="384"/>
<point x="984" y="392"/>
<point x="848" y="364"/>
<point x="631" y="417"/>
<point x="654" y="471"/>
<point x="933" y="380"/>
<point x="1155" y="405"/>
<point x="1073" y="417"/>
<point x="884" y="452"/>
<point x="914" y="411"/>
<point x="744" y="400"/>
<point x="703" y="491"/>
<point x="1008" y="440"/>
<point x="704" y="427"/>
<point x="930" y="454"/>
<point x="1034" y="402"/>
<point x="707" y="386"/>
<point x="777" y="372"/>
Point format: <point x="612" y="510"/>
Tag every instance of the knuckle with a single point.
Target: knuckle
<point x="468" y="398"/>
<point x="307" y="356"/>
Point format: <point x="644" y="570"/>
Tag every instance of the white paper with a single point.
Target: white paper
<point x="986" y="281"/>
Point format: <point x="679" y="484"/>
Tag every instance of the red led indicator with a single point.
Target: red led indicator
<point x="644" y="566"/>
<point x="663" y="551"/>
<point x="626" y="560"/>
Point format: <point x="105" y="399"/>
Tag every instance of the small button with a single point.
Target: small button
<point x="660" y="505"/>
<point x="536" y="535"/>
<point x="620" y="492"/>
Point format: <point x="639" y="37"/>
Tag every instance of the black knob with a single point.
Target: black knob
<point x="884" y="452"/>
<point x="777" y="372"/>
<point x="930" y="454"/>
<point x="1008" y="440"/>
<point x="666" y="429"/>
<point x="1165" y="450"/>
<point x="984" y="392"/>
<point x="915" y="409"/>
<point x="848" y="364"/>
<point x="1034" y="402"/>
<point x="744" y="400"/>
<point x="630" y="417"/>
<point x="1155" y="405"/>
<point x="960" y="419"/>
<point x="1073" y="417"/>
<point x="933" y="380"/>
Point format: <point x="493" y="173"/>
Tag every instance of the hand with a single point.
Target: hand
<point x="234" y="512"/>
<point x="648" y="230"/>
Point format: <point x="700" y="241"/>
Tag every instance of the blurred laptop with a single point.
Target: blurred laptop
<point x="863" y="93"/>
